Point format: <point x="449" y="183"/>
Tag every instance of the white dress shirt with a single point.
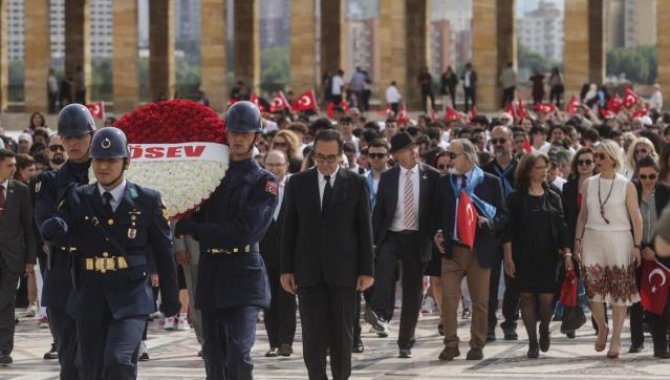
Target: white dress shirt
<point x="117" y="194"/>
<point x="280" y="197"/>
<point x="398" y="223"/>
<point x="392" y="95"/>
<point x="322" y="183"/>
<point x="5" y="185"/>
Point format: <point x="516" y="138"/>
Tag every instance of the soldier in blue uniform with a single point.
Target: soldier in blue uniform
<point x="75" y="127"/>
<point x="113" y="227"/>
<point x="232" y="279"/>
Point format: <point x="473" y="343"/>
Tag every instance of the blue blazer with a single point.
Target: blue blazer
<point x="486" y="238"/>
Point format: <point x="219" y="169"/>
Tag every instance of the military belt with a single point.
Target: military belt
<point x="108" y="263"/>
<point x="229" y="251"/>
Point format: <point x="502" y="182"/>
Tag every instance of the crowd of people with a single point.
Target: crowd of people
<point x="544" y="194"/>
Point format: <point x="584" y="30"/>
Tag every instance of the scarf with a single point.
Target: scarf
<point x="484" y="208"/>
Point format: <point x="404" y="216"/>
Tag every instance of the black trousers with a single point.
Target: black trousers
<point x="470" y="98"/>
<point x="108" y="348"/>
<point x="64" y="333"/>
<point x="508" y="96"/>
<point x="659" y="330"/>
<point x="425" y="95"/>
<point x="327" y="317"/>
<point x="403" y="247"/>
<point x="228" y="336"/>
<point x="8" y="281"/>
<point x="280" y="318"/>
<point x="510" y="309"/>
<point x="637" y="314"/>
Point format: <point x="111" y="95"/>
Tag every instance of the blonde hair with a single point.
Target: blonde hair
<point x="630" y="156"/>
<point x="293" y="143"/>
<point x="612" y="149"/>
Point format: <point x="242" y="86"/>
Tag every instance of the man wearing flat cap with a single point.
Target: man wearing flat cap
<point x="402" y="232"/>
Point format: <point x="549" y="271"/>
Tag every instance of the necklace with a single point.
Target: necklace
<point x="600" y="201"/>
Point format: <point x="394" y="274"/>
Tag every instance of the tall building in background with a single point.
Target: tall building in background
<point x="441" y="46"/>
<point x="101" y="28"/>
<point x="275" y="27"/>
<point x="187" y="20"/>
<point x="451" y="36"/>
<point x="631" y="23"/>
<point x="541" y="31"/>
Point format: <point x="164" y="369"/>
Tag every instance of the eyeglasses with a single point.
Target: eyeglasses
<point x="645" y="177"/>
<point x="377" y="155"/>
<point x="498" y="141"/>
<point x="643" y="151"/>
<point x="332" y="158"/>
<point x="584" y="162"/>
<point x="274" y="165"/>
<point x="54" y="148"/>
<point x="601" y="156"/>
<point x="278" y="144"/>
<point x="443" y="166"/>
<point x="541" y="168"/>
<point x="453" y="155"/>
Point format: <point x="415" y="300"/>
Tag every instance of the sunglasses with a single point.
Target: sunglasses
<point x="330" y="158"/>
<point x="601" y="156"/>
<point x="377" y="155"/>
<point x="55" y="148"/>
<point x="643" y="151"/>
<point x="584" y="162"/>
<point x="453" y="155"/>
<point x="443" y="166"/>
<point x="645" y="177"/>
<point x="498" y="141"/>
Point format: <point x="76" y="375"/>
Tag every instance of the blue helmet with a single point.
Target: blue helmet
<point x="109" y="142"/>
<point x="75" y="120"/>
<point x="244" y="117"/>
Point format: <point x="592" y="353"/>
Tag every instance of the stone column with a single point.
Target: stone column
<point x="584" y="60"/>
<point x="333" y="38"/>
<point x="663" y="49"/>
<point x="161" y="46"/>
<point x="247" y="54"/>
<point x="37" y="56"/>
<point x="392" y="46"/>
<point x="213" y="52"/>
<point x="125" y="74"/>
<point x="417" y="49"/>
<point x="303" y="47"/>
<point x="77" y="47"/>
<point x="4" y="51"/>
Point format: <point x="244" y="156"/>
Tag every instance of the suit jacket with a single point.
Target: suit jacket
<point x="486" y="237"/>
<point x="17" y="238"/>
<point x="661" y="195"/>
<point x="387" y="203"/>
<point x="334" y="248"/>
<point x="570" y="207"/>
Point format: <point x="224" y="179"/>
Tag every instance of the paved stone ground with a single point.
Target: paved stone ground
<point x="174" y="357"/>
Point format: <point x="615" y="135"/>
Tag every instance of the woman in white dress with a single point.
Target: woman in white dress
<point x="605" y="246"/>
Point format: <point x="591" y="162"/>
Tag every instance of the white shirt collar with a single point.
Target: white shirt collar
<point x="5" y="184"/>
<point x="117" y="192"/>
<point x="414" y="170"/>
<point x="332" y="176"/>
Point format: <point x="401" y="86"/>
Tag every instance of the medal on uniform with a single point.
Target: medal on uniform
<point x="132" y="233"/>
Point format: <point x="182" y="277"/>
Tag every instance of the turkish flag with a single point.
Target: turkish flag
<point x="574" y="102"/>
<point x="305" y="102"/>
<point x="569" y="289"/>
<point x="279" y="103"/>
<point x="402" y="118"/>
<point x="644" y="111"/>
<point x="510" y="109"/>
<point x="473" y="112"/>
<point x="232" y="101"/>
<point x="466" y="220"/>
<point x="97" y="110"/>
<point x="605" y="113"/>
<point x="526" y="146"/>
<point x="545" y="107"/>
<point x="655" y="286"/>
<point x="630" y="98"/>
<point x="254" y="99"/>
<point x="433" y="115"/>
<point x="615" y="103"/>
<point x="450" y="114"/>
<point x="521" y="109"/>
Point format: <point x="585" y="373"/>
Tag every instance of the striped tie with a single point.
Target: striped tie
<point x="410" y="213"/>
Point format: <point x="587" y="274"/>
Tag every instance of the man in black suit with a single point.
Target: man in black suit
<point x="460" y="260"/>
<point x="403" y="231"/>
<point x="326" y="254"/>
<point x="17" y="246"/>
<point x="280" y="318"/>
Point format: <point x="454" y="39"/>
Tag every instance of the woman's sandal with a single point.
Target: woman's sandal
<point x="600" y="347"/>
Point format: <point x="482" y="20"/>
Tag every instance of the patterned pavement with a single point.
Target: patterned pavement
<point x="174" y="357"/>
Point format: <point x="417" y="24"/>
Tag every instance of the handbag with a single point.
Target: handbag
<point x="569" y="289"/>
<point x="573" y="318"/>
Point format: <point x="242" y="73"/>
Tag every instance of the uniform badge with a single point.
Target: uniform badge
<point x="110" y="222"/>
<point x="132" y="233"/>
<point x="166" y="214"/>
<point x="272" y="187"/>
<point x="38" y="186"/>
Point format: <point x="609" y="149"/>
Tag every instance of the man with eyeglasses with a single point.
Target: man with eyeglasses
<point x="503" y="166"/>
<point x="326" y="254"/>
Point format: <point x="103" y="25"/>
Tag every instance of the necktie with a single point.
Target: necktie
<point x="410" y="213"/>
<point x="327" y="193"/>
<point x="2" y="201"/>
<point x="107" y="201"/>
<point x="464" y="181"/>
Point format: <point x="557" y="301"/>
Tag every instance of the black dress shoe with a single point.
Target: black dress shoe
<point x="635" y="348"/>
<point x="449" y="353"/>
<point x="285" y="350"/>
<point x="5" y="359"/>
<point x="272" y="353"/>
<point x="533" y="350"/>
<point x="475" y="354"/>
<point x="405" y="353"/>
<point x="380" y="326"/>
<point x="52" y="353"/>
<point x="570" y="334"/>
<point x="509" y="330"/>
<point x="662" y="354"/>
<point x="545" y="340"/>
<point x="144" y="357"/>
<point x="440" y="329"/>
<point x="358" y="347"/>
<point x="491" y="336"/>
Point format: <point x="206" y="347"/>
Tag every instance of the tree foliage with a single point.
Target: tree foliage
<point x="275" y="72"/>
<point x="638" y="65"/>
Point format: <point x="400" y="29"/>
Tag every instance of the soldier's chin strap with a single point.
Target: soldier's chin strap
<point x="126" y="162"/>
<point x="253" y="143"/>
